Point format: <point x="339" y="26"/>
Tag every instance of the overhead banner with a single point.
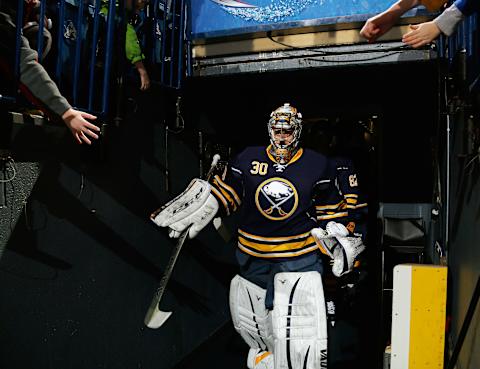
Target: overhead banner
<point x="217" y="18"/>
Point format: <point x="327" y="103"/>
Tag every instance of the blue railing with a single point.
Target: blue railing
<point x="78" y="50"/>
<point x="60" y="43"/>
<point x="465" y="42"/>
<point x="172" y="51"/>
<point x="69" y="31"/>
<point x="93" y="55"/>
<point x="81" y="28"/>
<point x="18" y="43"/>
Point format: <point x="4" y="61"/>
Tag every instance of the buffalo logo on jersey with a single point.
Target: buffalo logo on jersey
<point x="276" y="198"/>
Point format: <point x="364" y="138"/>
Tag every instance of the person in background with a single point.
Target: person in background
<point x="133" y="51"/>
<point x="36" y="84"/>
<point x="446" y="23"/>
<point x="381" y="23"/>
<point x="31" y="21"/>
<point x="423" y="33"/>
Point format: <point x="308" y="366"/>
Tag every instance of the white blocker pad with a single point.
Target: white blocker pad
<point x="299" y="321"/>
<point x="198" y="219"/>
<point x="249" y="316"/>
<point x="195" y="206"/>
<point x="189" y="201"/>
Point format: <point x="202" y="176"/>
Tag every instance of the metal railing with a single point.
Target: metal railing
<point x="170" y="17"/>
<point x="83" y="73"/>
<point x="463" y="48"/>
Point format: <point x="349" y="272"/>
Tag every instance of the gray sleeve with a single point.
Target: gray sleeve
<point x="37" y="80"/>
<point x="448" y="20"/>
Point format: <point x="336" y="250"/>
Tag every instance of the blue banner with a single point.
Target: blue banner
<point x="214" y="18"/>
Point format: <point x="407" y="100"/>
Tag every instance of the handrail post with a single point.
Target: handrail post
<point x="41" y="27"/>
<point x="60" y="40"/>
<point x="78" y="52"/>
<point x="108" y="56"/>
<point x="93" y="56"/>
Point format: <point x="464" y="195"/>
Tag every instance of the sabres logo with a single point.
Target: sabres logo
<point x="276" y="198"/>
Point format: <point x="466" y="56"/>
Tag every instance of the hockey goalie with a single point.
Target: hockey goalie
<point x="295" y="206"/>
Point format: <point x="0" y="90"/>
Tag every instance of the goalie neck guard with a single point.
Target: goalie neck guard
<point x="284" y="128"/>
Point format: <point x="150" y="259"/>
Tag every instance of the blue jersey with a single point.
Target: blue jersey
<point x="277" y="201"/>
<point x="345" y="204"/>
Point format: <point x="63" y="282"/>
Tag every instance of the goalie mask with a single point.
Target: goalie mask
<point x="284" y="128"/>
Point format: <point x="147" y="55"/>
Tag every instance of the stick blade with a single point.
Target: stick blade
<point x="155" y="318"/>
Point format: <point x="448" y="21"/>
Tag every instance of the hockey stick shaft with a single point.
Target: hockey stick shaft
<point x="154" y="318"/>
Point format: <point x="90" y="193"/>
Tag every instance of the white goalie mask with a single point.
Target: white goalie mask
<point x="284" y="128"/>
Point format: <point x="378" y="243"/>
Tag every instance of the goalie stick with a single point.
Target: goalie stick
<point x="156" y="317"/>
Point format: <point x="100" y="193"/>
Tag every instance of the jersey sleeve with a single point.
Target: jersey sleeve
<point x="36" y="84"/>
<point x="353" y="198"/>
<point x="467" y="7"/>
<point x="227" y="187"/>
<point x="341" y="201"/>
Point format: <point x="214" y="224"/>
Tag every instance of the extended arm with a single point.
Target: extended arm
<point x="37" y="85"/>
<point x="134" y="54"/>
<point x="35" y="81"/>
<point x="383" y="22"/>
<point x="446" y="23"/>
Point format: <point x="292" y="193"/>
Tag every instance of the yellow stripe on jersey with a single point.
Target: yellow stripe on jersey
<point x="274" y="239"/>
<point x="226" y="195"/>
<point x="328" y="207"/>
<point x="351" y="201"/>
<point x="297" y="155"/>
<point x="272" y="247"/>
<point x="268" y="248"/>
<point x="229" y="189"/>
<point x="351" y="195"/>
<point x="222" y="199"/>
<point x="362" y="205"/>
<point x="332" y="216"/>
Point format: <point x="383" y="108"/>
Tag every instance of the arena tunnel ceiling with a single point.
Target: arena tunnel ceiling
<point x="238" y="106"/>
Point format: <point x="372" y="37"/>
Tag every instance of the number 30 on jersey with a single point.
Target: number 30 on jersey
<point x="259" y="168"/>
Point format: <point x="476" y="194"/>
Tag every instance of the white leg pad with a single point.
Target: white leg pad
<point x="250" y="317"/>
<point x="299" y="321"/>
